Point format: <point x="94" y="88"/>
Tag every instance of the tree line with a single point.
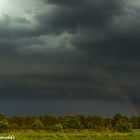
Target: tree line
<point x="119" y="122"/>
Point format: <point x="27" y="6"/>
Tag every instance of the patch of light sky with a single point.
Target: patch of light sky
<point x="18" y="8"/>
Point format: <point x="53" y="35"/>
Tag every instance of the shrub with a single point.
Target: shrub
<point x="72" y="123"/>
<point x="58" y="127"/>
<point x="4" y="125"/>
<point x="37" y="124"/>
<point x="122" y="123"/>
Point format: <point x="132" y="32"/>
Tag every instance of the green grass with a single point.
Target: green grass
<point x="83" y="135"/>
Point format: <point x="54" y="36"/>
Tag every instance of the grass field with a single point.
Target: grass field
<point x="83" y="135"/>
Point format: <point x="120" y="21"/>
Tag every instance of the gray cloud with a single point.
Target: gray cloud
<point x="74" y="15"/>
<point x="71" y="48"/>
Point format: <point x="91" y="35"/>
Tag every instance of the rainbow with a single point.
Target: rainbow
<point x="132" y="107"/>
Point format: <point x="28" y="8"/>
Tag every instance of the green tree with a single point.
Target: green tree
<point x="88" y="124"/>
<point x="17" y="122"/>
<point x="72" y="122"/>
<point x="4" y="125"/>
<point x="108" y="123"/>
<point x="98" y="122"/>
<point x="48" y="121"/>
<point x="121" y="123"/>
<point x="135" y="120"/>
<point x="37" y="124"/>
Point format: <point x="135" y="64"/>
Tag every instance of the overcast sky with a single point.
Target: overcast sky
<point x="70" y="56"/>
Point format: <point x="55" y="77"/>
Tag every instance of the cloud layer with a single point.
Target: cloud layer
<point x="62" y="49"/>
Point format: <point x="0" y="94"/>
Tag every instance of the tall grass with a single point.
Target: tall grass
<point x="82" y="135"/>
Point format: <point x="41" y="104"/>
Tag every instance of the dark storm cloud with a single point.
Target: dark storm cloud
<point x="74" y="15"/>
<point x="114" y="30"/>
<point x="73" y="45"/>
<point x="64" y="86"/>
<point x="65" y="2"/>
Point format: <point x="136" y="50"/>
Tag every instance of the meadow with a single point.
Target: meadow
<point x="75" y="127"/>
<point x="83" y="135"/>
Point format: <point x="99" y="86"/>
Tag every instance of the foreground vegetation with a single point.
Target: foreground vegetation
<point x="118" y="123"/>
<point x="76" y="127"/>
<point x="73" y="135"/>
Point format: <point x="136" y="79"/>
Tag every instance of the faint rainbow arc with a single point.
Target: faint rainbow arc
<point x="132" y="107"/>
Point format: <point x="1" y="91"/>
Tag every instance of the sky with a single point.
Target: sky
<point x="66" y="57"/>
